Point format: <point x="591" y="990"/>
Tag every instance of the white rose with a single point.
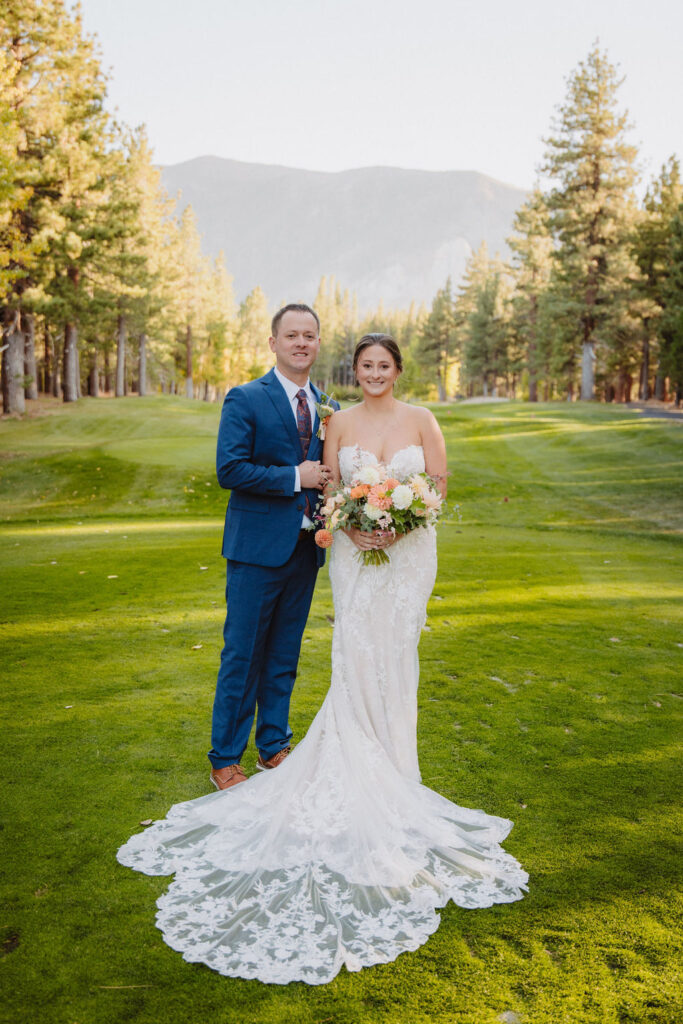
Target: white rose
<point x="402" y="496"/>
<point x="372" y="512"/>
<point x="368" y="475"/>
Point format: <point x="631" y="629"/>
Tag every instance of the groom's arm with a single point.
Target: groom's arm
<point x="234" y="467"/>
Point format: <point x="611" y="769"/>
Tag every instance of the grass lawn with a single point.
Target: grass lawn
<point x="551" y="693"/>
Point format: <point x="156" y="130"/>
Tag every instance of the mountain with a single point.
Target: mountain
<point x="383" y="232"/>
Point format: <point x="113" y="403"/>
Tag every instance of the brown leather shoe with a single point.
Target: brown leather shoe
<point x="224" y="778"/>
<point x="273" y="761"/>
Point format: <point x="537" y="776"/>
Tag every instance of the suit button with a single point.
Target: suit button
<point x="300" y="508"/>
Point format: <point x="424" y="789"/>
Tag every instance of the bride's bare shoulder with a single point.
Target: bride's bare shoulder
<point x="338" y="427"/>
<point x="417" y="415"/>
<point x="343" y="418"/>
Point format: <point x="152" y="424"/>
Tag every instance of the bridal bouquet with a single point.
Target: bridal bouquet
<point x="374" y="500"/>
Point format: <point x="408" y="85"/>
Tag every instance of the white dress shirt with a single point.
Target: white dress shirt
<point x="292" y="390"/>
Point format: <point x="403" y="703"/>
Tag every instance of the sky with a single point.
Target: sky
<point x="336" y="84"/>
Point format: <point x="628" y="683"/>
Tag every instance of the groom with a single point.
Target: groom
<point x="269" y="457"/>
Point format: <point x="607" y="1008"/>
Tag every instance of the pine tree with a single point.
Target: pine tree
<point x="652" y="250"/>
<point x="253" y="332"/>
<point x="487" y="349"/>
<point x="193" y="284"/>
<point x="438" y="338"/>
<point x="13" y="249"/>
<point x="592" y="210"/>
<point x="221" y="329"/>
<point x="672" y="319"/>
<point x="532" y="248"/>
<point x="57" y="95"/>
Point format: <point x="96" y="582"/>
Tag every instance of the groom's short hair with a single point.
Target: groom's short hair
<point x="293" y="307"/>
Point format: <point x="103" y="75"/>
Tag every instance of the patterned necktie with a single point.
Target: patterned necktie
<point x="304" y="426"/>
<point x="303" y="421"/>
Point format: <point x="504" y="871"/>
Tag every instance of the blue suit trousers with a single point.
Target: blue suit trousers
<point x="267" y="609"/>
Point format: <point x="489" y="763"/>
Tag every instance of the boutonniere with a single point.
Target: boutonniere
<point x="324" y="411"/>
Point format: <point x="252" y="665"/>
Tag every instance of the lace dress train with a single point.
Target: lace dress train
<point x="339" y="856"/>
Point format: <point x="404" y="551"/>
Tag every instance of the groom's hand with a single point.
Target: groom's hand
<point x="314" y="474"/>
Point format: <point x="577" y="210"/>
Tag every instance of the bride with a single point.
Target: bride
<point x="339" y="857"/>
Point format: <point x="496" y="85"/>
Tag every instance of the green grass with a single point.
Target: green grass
<point x="551" y="693"/>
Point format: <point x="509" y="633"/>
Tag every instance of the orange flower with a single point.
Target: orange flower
<point x="390" y="483"/>
<point x="359" y="491"/>
<point x="323" y="538"/>
<point x="378" y="500"/>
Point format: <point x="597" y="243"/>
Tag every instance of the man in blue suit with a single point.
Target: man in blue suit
<point x="269" y="457"/>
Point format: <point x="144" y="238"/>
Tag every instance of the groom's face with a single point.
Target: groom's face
<point x="296" y="344"/>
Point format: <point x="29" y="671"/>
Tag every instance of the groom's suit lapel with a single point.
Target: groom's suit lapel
<point x="277" y="395"/>
<point x="316" y="447"/>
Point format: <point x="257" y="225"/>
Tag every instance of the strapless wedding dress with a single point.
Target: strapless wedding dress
<point x="339" y="857"/>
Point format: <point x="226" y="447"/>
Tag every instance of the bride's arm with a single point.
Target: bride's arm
<point x="331" y="451"/>
<point x="434" y="447"/>
<point x="333" y="439"/>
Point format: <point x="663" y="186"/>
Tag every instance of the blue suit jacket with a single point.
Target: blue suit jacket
<point x="258" y="449"/>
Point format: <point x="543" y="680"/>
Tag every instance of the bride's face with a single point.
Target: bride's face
<point x="376" y="371"/>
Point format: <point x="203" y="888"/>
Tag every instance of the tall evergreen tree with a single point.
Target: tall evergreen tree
<point x="438" y="338"/>
<point x="487" y="349"/>
<point x="220" y="332"/>
<point x="672" y="354"/>
<point x="58" y="96"/>
<point x="193" y="283"/>
<point x="253" y="332"/>
<point x="592" y="210"/>
<point x="532" y="248"/>
<point x="652" y="250"/>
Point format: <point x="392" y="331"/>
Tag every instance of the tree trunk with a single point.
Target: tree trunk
<point x="13" y="399"/>
<point x="644" y="385"/>
<point x="71" y="384"/>
<point x="93" y="377"/>
<point x="49" y="361"/>
<point x="660" y="386"/>
<point x="588" y="372"/>
<point x="121" y="356"/>
<point x="142" y="368"/>
<point x="531" y="351"/>
<point x="28" y="325"/>
<point x="189" y="389"/>
<point x="107" y="372"/>
<point x="70" y="363"/>
<point x="533" y="387"/>
<point x="56" y="375"/>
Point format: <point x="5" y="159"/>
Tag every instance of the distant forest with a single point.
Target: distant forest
<point x="105" y="288"/>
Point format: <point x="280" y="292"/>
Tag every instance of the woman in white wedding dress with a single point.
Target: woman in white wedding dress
<point x="339" y="857"/>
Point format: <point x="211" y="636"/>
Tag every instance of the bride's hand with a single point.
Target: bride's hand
<point x="371" y="541"/>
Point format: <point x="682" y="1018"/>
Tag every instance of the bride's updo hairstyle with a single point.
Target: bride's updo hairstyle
<point x="386" y="341"/>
